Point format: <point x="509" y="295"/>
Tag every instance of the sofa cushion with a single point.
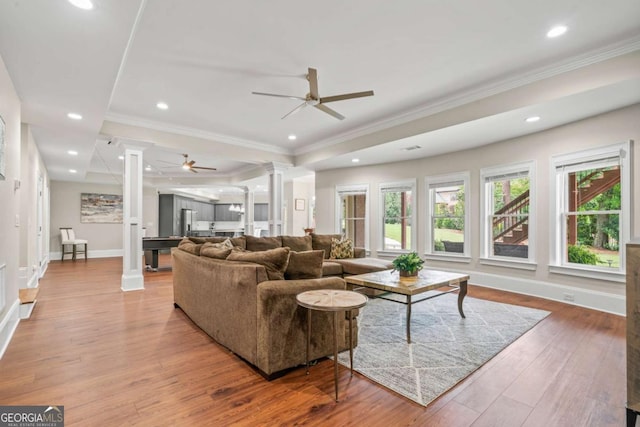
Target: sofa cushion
<point x="189" y="246"/>
<point x="341" y="249"/>
<point x="323" y="242"/>
<point x="262" y="243"/>
<point x="217" y="250"/>
<point x="275" y="260"/>
<point x="297" y="243"/>
<point x="363" y="265"/>
<point x="237" y="241"/>
<point x="304" y="265"/>
<point x="330" y="268"/>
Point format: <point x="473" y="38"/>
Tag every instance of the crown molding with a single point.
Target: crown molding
<point x="196" y="133"/>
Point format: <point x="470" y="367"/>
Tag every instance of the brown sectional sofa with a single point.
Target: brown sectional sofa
<point x="258" y="319"/>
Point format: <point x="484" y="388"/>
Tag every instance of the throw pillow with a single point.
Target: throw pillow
<point x="304" y="265"/>
<point x="341" y="249"/>
<point x="275" y="261"/>
<point x="323" y="242"/>
<point x="297" y="243"/>
<point x="189" y="246"/>
<point x="217" y="250"/>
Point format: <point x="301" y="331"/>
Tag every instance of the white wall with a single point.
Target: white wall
<point x="298" y="220"/>
<point x="606" y="129"/>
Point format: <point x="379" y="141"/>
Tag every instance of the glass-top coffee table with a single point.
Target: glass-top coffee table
<point x="389" y="281"/>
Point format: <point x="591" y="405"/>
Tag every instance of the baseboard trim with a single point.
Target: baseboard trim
<point x="602" y="301"/>
<point x="107" y="253"/>
<point x="8" y="325"/>
<point x="33" y="281"/>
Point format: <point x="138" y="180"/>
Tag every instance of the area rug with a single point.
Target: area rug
<point x="445" y="348"/>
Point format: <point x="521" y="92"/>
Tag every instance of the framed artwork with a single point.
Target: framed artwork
<point x="100" y="208"/>
<point x="299" y="204"/>
<point x="2" y="156"/>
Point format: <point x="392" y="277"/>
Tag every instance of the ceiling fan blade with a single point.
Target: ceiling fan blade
<point x="193" y="170"/>
<point x="345" y="96"/>
<point x="295" y="110"/>
<point x="168" y="163"/>
<point x="202" y="167"/>
<point x="279" y="96"/>
<point x="329" y="111"/>
<point x="313" y="83"/>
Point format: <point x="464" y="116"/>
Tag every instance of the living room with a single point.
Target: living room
<point x="462" y="136"/>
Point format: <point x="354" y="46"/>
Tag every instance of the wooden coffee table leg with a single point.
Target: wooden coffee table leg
<point x="308" y="336"/>
<point x="408" y="319"/>
<point x="335" y="351"/>
<point x="461" y="294"/>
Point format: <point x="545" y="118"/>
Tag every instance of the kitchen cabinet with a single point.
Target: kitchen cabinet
<point x="222" y="213"/>
<point x="261" y="212"/>
<point x="170" y="208"/>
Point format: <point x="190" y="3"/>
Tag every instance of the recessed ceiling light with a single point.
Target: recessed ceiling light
<point x="148" y="168"/>
<point x="162" y="105"/>
<point x="82" y="4"/>
<point x="121" y="157"/>
<point x="74" y="116"/>
<point x="532" y="119"/>
<point x="72" y="171"/>
<point x="72" y="152"/>
<point x="292" y="137"/>
<point x="557" y="31"/>
<point x="355" y="160"/>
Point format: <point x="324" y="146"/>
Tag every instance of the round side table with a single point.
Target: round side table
<point x="336" y="301"/>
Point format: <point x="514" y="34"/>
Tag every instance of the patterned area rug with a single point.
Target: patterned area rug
<point x="445" y="348"/>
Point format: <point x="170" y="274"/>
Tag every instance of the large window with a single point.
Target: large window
<point x="591" y="198"/>
<point x="447" y="233"/>
<point x="507" y="215"/>
<point x="398" y="229"/>
<point x="352" y="207"/>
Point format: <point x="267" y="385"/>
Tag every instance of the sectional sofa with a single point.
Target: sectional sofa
<point x="242" y="293"/>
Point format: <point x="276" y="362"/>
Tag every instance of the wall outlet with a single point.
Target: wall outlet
<point x="569" y="297"/>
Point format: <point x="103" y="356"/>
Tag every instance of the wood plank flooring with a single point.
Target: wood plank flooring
<point x="114" y="358"/>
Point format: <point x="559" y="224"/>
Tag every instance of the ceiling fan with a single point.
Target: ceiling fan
<point x="189" y="165"/>
<point x="315" y="100"/>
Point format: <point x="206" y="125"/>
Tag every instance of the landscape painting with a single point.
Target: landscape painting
<point x="100" y="208"/>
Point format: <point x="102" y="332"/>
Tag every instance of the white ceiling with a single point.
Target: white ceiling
<point x="446" y="76"/>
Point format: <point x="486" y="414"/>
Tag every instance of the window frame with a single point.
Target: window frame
<point x="561" y="166"/>
<point x="487" y="176"/>
<point x="352" y="189"/>
<point x="431" y="183"/>
<point x="408" y="185"/>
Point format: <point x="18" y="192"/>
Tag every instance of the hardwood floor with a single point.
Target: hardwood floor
<point x="114" y="358"/>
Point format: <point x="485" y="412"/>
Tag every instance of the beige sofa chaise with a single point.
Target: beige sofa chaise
<point x="244" y="308"/>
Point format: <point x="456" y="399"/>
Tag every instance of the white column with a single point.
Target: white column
<point x="276" y="200"/>
<point x="249" y="221"/>
<point x="132" y="278"/>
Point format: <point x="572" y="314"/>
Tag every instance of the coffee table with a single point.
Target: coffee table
<point x="336" y="301"/>
<point x="389" y="281"/>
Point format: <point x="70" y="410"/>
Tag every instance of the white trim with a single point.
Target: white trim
<point x="33" y="281"/>
<point x="507" y="262"/>
<point x="486" y="207"/>
<point x="353" y="189"/>
<point x="107" y="253"/>
<point x="448" y="258"/>
<point x="8" y="325"/>
<point x="558" y="245"/>
<point x="465" y="177"/>
<point x="410" y="183"/>
<point x="609" y="303"/>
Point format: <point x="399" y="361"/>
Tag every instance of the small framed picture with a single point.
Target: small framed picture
<point x="299" y="204"/>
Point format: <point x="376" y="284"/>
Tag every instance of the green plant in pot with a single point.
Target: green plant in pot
<point x="408" y="264"/>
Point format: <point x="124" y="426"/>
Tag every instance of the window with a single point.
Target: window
<point x="447" y="233"/>
<point x="507" y="217"/>
<point x="397" y="217"/>
<point x="352" y="207"/>
<point x="592" y="209"/>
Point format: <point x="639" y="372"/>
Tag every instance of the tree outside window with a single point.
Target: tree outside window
<point x="447" y="218"/>
<point x="398" y="213"/>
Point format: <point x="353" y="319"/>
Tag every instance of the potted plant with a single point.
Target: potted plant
<point x="407" y="264"/>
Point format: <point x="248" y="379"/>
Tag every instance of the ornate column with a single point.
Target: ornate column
<point x="276" y="200"/>
<point x="132" y="278"/>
